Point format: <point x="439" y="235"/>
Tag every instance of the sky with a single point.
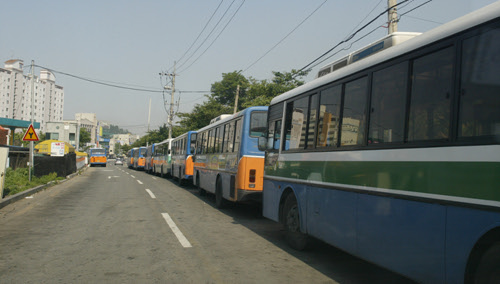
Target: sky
<point x="129" y="43"/>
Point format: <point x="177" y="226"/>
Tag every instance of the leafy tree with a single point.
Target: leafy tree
<point x="84" y="137"/>
<point x="224" y="92"/>
<point x="202" y="114"/>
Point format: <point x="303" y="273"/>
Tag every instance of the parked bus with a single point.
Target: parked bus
<point x="161" y="158"/>
<point x="130" y="157"/>
<point x="139" y="158"/>
<point x="396" y="158"/>
<point x="148" y="166"/>
<point x="228" y="162"/>
<point x="97" y="157"/>
<point x="182" y="156"/>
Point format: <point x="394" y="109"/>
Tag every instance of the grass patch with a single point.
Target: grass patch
<point x="18" y="180"/>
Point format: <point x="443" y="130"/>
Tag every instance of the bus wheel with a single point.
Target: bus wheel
<point x="220" y="202"/>
<point x="488" y="268"/>
<point x="295" y="238"/>
<point x="201" y="191"/>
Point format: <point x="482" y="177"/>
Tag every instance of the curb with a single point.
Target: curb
<point x="21" y="195"/>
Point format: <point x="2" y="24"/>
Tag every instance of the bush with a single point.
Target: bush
<point x="18" y="180"/>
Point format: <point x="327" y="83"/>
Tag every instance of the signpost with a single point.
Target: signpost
<point x="31" y="136"/>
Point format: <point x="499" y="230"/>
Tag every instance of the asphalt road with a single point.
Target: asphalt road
<point x="116" y="225"/>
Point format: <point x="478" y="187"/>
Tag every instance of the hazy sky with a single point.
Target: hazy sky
<point x="130" y="42"/>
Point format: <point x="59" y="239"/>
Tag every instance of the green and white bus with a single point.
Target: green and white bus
<point x="395" y="158"/>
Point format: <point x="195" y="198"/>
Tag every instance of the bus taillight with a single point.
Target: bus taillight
<point x="252" y="176"/>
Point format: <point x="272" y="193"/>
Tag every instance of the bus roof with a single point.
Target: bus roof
<point x="238" y="114"/>
<point x="470" y="20"/>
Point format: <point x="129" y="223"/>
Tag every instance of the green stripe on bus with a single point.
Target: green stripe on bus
<point x="478" y="180"/>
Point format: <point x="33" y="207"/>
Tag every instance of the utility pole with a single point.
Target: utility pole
<point x="236" y="99"/>
<point x="171" y="114"/>
<point x="392" y="16"/>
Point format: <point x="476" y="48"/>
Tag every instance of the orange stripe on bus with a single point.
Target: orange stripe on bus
<point x="189" y="166"/>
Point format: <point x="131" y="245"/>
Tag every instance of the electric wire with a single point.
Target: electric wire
<point x="230" y="20"/>
<point x="286" y="36"/>
<point x="208" y="36"/>
<point x="351" y="36"/>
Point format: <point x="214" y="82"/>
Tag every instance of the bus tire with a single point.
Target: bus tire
<point x="488" y="268"/>
<point x="294" y="237"/>
<point x="220" y="202"/>
<point x="201" y="191"/>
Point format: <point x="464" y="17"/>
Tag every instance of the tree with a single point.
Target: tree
<point x="84" y="137"/>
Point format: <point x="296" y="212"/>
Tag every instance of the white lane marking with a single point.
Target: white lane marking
<point x="153" y="178"/>
<point x="140" y="182"/>
<point x="132" y="176"/>
<point x="151" y="193"/>
<point x="184" y="242"/>
<point x="109" y="177"/>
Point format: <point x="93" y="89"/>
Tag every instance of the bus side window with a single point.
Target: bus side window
<point x="296" y="121"/>
<point x="329" y="117"/>
<point x="430" y="101"/>
<point x="354" y="113"/>
<point x="479" y="113"/>
<point x="277" y="135"/>
<point x="388" y="104"/>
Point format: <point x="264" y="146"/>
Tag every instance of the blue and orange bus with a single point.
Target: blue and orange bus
<point x="395" y="158"/>
<point x="139" y="159"/>
<point x="130" y="157"/>
<point x="182" y="156"/>
<point x="228" y="162"/>
<point x="162" y="158"/>
<point x="97" y="157"/>
<point x="149" y="155"/>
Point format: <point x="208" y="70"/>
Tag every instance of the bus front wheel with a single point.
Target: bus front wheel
<point x="294" y="237"/>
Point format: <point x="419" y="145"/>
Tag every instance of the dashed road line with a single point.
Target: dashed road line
<point x="182" y="239"/>
<point x="140" y="182"/>
<point x="151" y="193"/>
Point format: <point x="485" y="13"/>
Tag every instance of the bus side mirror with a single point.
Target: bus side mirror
<point x="262" y="144"/>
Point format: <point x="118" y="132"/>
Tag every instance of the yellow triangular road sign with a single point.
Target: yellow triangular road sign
<point x="30" y="135"/>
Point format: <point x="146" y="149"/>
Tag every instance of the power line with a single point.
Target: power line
<point x="293" y="30"/>
<point x="208" y="36"/>
<point x="206" y="25"/>
<point x="99" y="82"/>
<point x="232" y="17"/>
<point x="351" y="36"/>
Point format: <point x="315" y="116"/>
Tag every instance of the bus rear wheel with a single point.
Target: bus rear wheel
<point x="294" y="237"/>
<point x="488" y="268"/>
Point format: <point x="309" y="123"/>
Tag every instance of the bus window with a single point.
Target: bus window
<point x="237" y="135"/>
<point x="192" y="146"/>
<point x="211" y="141"/>
<point x="388" y="105"/>
<point x="218" y="139"/>
<point x="354" y="113"/>
<point x="479" y="99"/>
<point x="329" y="117"/>
<point x="430" y="96"/>
<point x="311" y="129"/>
<point x="230" y="146"/>
<point x="296" y="123"/>
<point x="257" y="123"/>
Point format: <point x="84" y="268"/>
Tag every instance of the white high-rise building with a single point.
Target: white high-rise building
<point x="15" y="95"/>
